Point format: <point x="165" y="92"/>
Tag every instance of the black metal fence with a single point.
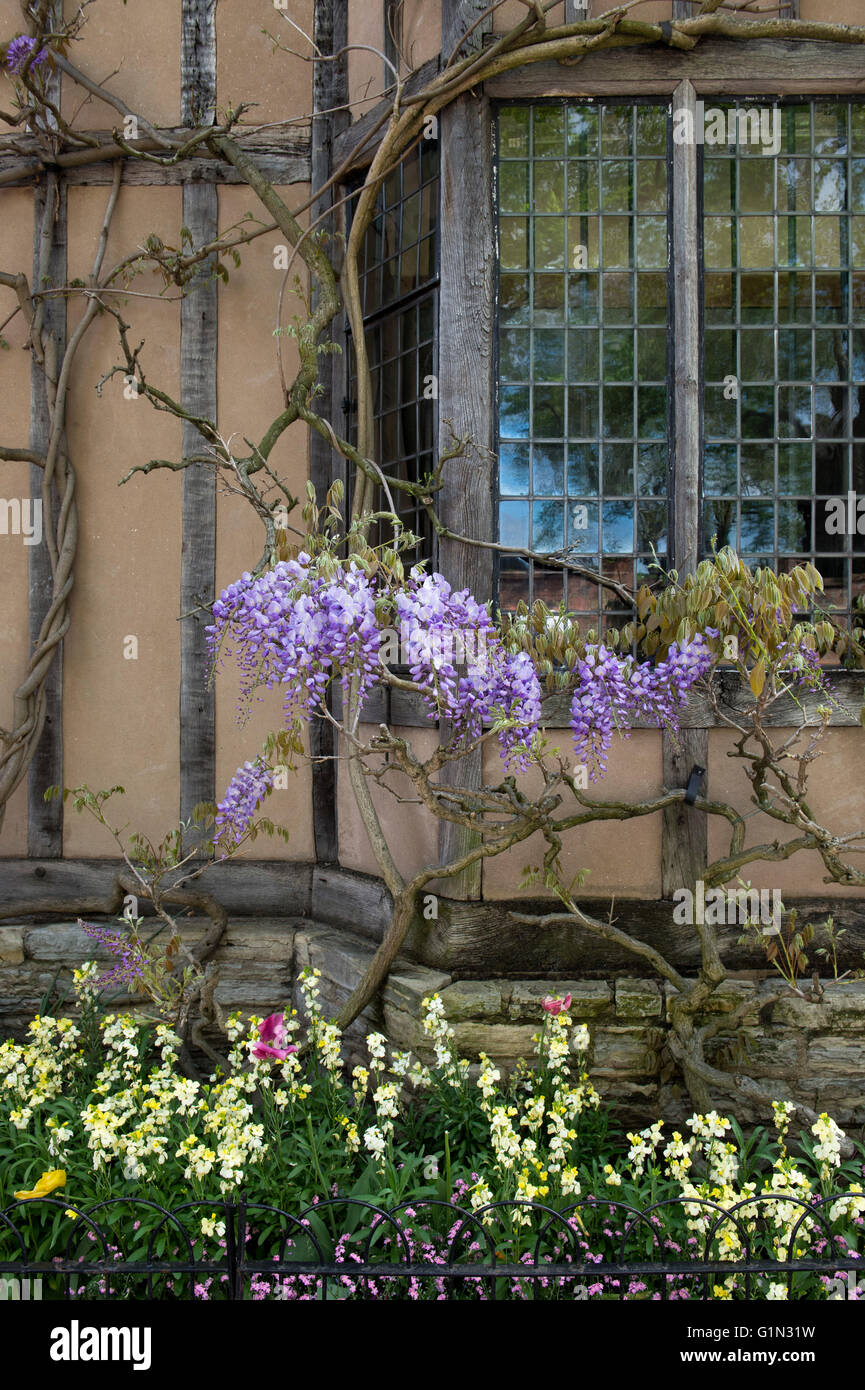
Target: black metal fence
<point x="128" y="1247"/>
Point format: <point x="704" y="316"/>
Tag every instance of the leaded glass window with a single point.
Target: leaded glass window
<point x="399" y="294"/>
<point x="784" y="344"/>
<point x="582" y="346"/>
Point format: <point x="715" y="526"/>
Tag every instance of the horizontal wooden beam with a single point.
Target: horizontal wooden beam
<point x="282" y="155"/>
<point x="751" y="67"/>
<point x="480" y="940"/>
<point x="244" y="888"/>
<point x="469" y="939"/>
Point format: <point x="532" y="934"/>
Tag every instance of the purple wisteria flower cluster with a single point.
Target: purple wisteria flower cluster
<point x="439" y="627"/>
<point x="301" y="627"/>
<point x="131" y="958"/>
<point x="614" y="691"/>
<point x="19" y="51"/>
<point x="247" y="789"/>
<point x="295" y="627"/>
<point x="805" y="669"/>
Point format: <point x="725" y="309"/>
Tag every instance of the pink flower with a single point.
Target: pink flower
<point x="556" y="1006"/>
<point x="273" y="1043"/>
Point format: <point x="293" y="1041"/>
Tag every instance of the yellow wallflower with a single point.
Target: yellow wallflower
<point x="49" y="1182"/>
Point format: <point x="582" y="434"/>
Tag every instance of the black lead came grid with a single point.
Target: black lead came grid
<point x="784" y="312"/>
<point x="582" y="312"/>
<point x="399" y="294"/>
<point x="584" y="193"/>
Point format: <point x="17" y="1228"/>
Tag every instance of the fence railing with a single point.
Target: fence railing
<point x="343" y="1247"/>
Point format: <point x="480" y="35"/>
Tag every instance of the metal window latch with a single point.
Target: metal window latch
<point x="693" y="788"/>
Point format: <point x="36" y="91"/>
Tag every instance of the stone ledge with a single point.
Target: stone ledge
<point x="811" y="1051"/>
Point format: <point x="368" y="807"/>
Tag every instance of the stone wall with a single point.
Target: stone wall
<point x="814" y="1052"/>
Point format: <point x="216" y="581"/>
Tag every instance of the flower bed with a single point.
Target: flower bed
<point x="96" y="1117"/>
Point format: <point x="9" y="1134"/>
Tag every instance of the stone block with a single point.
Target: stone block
<point x="765" y="1053"/>
<point x="472" y="999"/>
<point x="404" y="1032"/>
<point x="638" y="999"/>
<point x="408" y="985"/>
<point x="843" y="1056"/>
<point x="634" y="1050"/>
<point x="11" y="945"/>
<point x="498" y="1040"/>
<point x="341" y="957"/>
<point x="61" y="941"/>
<point x="254" y="940"/>
<point x="589" y="998"/>
<point x="731" y="995"/>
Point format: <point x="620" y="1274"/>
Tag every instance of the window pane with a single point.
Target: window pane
<point x="583" y="344"/>
<point x="783" y="313"/>
<point x="398" y="275"/>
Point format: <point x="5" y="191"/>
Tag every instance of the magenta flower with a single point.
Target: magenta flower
<point x="556" y="1006"/>
<point x="273" y="1039"/>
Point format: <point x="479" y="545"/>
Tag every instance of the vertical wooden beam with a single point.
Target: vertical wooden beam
<point x="392" y="16"/>
<point x="45" y="819"/>
<point x="198" y="340"/>
<point x="458" y="16"/>
<point x="685" y="454"/>
<point x="467" y="260"/>
<point x="330" y="89"/>
<point x="684" y="841"/>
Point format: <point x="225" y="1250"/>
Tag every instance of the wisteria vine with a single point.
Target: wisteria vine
<point x="302" y="626"/>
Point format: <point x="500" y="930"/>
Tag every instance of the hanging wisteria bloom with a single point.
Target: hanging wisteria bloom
<point x="294" y="627"/>
<point x="131" y="959"/>
<point x="247" y="789"/>
<point x="19" y="51"/>
<point x="300" y="628"/>
<point x="615" y="691"/>
<point x="441" y="629"/>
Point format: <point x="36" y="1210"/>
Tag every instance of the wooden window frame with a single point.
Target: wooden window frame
<point x="716" y="68"/>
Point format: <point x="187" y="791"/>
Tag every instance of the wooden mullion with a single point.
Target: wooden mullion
<point x="458" y="17"/>
<point x="465" y="403"/>
<point x="330" y="89"/>
<point x="684" y="847"/>
<point x="198" y="378"/>
<point x="685" y="453"/>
